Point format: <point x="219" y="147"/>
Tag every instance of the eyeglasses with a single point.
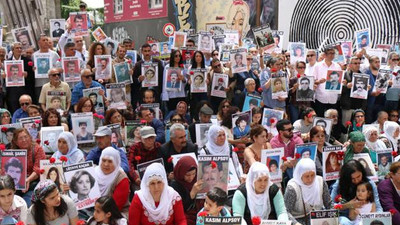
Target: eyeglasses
<point x="176" y="120"/>
<point x="226" y="106"/>
<point x="87" y="77"/>
<point x="216" y="66"/>
<point x="310" y="55"/>
<point x="301" y="67"/>
<point x="395" y="60"/>
<point x="176" y="56"/>
<point x="289" y="129"/>
<point x="393" y="115"/>
<point x="55" y="74"/>
<point x="359" y="116"/>
<point x="24" y="103"/>
<point x="356" y="63"/>
<point x="215" y="54"/>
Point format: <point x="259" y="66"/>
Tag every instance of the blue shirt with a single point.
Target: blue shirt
<point x="94" y="155"/>
<point x="267" y="93"/>
<point x="19" y="114"/>
<point x="159" y="129"/>
<point x="77" y="92"/>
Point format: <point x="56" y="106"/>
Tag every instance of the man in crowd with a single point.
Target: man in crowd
<point x="305" y="92"/>
<point x="147" y="115"/>
<point x="312" y="60"/>
<point x="85" y="83"/>
<point x="81" y="52"/>
<point x="393" y="93"/>
<point x="121" y="58"/>
<point x="204" y="117"/>
<point x="376" y="100"/>
<point x="20" y="113"/>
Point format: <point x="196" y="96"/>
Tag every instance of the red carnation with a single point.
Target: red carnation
<point x="394" y="153"/>
<point x="256" y="220"/>
<point x="191" y="72"/>
<point x="59" y="59"/>
<point x="81" y="222"/>
<point x="130" y="61"/>
<point x="284" y="158"/>
<point x="340" y="155"/>
<point x="138" y="158"/>
<point x="4" y="129"/>
<point x="272" y="120"/>
<point x="37" y="121"/>
<point x="260" y="90"/>
<point x="170" y="159"/>
<point x="298" y="75"/>
<point x="101" y="117"/>
<point x="235" y="149"/>
<point x="41" y="171"/>
<point x="213" y="164"/>
<point x="181" y="65"/>
<point x="395" y="73"/>
<point x="348" y="123"/>
<point x="298" y="156"/>
<point x="273" y="70"/>
<point x="38" y="141"/>
<point x="338" y="206"/>
<point x="392" y="211"/>
<point x="95" y="114"/>
<point x="143" y="121"/>
<point x="52" y="160"/>
<point x="2" y="147"/>
<point x="338" y="198"/>
<point x="358" y="125"/>
<point x="46" y="142"/>
<point x="203" y="213"/>
<point x="30" y="63"/>
<point x="20" y="223"/>
<point x="63" y="159"/>
<point x="309" y="115"/>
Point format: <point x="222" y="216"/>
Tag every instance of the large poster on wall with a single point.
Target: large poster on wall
<point x="121" y="10"/>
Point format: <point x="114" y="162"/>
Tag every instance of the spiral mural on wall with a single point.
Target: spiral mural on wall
<point x="315" y="20"/>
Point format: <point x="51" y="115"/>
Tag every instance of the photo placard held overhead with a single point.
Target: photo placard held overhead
<point x="79" y="23"/>
<point x="219" y="84"/>
<point x="25" y="37"/>
<point x="57" y="28"/>
<point x="363" y="38"/>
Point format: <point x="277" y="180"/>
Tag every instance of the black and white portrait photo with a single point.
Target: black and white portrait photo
<point x="57" y="28"/>
<point x="360" y="86"/>
<point x="305" y="91"/>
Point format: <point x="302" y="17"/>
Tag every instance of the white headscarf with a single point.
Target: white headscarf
<point x="378" y="144"/>
<point x="157" y="214"/>
<point x="104" y="180"/>
<point x="74" y="155"/>
<point x="259" y="204"/>
<point x="389" y="127"/>
<point x="311" y="193"/>
<point x="213" y="148"/>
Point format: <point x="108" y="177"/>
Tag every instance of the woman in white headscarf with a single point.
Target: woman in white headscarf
<point x="112" y="179"/>
<point x="372" y="141"/>
<point x="259" y="197"/>
<point x="306" y="191"/>
<point x="68" y="147"/>
<point x="217" y="143"/>
<point x="156" y="202"/>
<point x="392" y="135"/>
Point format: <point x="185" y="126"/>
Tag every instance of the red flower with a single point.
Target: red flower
<point x="348" y="123"/>
<point x="340" y="155"/>
<point x="20" y="223"/>
<point x="272" y="120"/>
<point x="392" y="211"/>
<point x="298" y="75"/>
<point x="338" y="206"/>
<point x="284" y="158"/>
<point x="256" y="220"/>
<point x="298" y="156"/>
<point x="38" y="141"/>
<point x="59" y="59"/>
<point x="41" y="171"/>
<point x="191" y="72"/>
<point x="4" y="129"/>
<point x="130" y="61"/>
<point x="358" y="125"/>
<point x="81" y="222"/>
<point x="2" y="147"/>
<point x="52" y="160"/>
<point x="95" y="115"/>
<point x="30" y="63"/>
<point x="213" y="164"/>
<point x="394" y="153"/>
<point x="138" y="158"/>
<point x="273" y="70"/>
<point x="309" y="115"/>
<point x="260" y="90"/>
<point x="235" y="149"/>
<point x="395" y="73"/>
<point x="181" y="65"/>
<point x="63" y="159"/>
<point x="46" y="142"/>
<point x="338" y="198"/>
<point x="143" y="121"/>
<point x="101" y="117"/>
<point x="170" y="159"/>
<point x="37" y="121"/>
<point x="203" y="213"/>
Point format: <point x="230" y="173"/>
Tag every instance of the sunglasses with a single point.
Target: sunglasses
<point x="301" y="67"/>
<point x="176" y="56"/>
<point x="215" y="54"/>
<point x="55" y="74"/>
<point x="176" y="120"/>
<point x="216" y="66"/>
<point x="289" y="129"/>
<point x="24" y="103"/>
<point x="87" y="77"/>
<point x="226" y="106"/>
<point x="310" y="55"/>
<point x="395" y="60"/>
<point x="394" y="115"/>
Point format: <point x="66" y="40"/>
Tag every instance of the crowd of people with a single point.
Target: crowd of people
<point x="167" y="193"/>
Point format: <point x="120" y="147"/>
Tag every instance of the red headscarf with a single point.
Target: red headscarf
<point x="184" y="165"/>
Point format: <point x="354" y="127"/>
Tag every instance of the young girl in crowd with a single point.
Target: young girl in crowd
<point x="364" y="194"/>
<point x="11" y="211"/>
<point x="106" y="213"/>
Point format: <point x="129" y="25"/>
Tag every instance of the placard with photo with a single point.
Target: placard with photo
<point x="360" y="86"/>
<point x="212" y="220"/>
<point x="82" y="173"/>
<point x="241" y="124"/>
<point x="213" y="170"/>
<point x="122" y="75"/>
<point x="279" y="85"/>
<point x="218" y="41"/>
<point x="270" y="118"/>
<point x="384" y="160"/>
<point x="297" y="52"/>
<point x="57" y="28"/>
<point x="273" y="159"/>
<point x="154" y="108"/>
<point x="49" y="138"/>
<point x="369" y="167"/>
<point x="347" y="49"/>
<point x="116" y="95"/>
<point x="172" y="83"/>
<point x="278" y="40"/>
<point x="224" y="53"/>
<point x="179" y="40"/>
<point x="52" y="171"/>
<point x="216" y="28"/>
<point x="150" y="73"/>
<point x="386" y="50"/>
<point x="33" y="125"/>
<point x="205" y="42"/>
<point x="201" y="133"/>
<point x="165" y="50"/>
<point x="219" y="84"/>
<point x="83" y="127"/>
<point x="14" y="70"/>
<point x="97" y="99"/>
<point x="263" y="37"/>
<point x="251" y="101"/>
<point x="99" y="34"/>
<point x="376" y="52"/>
<point x="42" y="63"/>
<point x="324" y="217"/>
<point x="7" y="132"/>
<point x="376" y="218"/>
<point x="308" y="150"/>
<point x="56" y="100"/>
<point x="363" y="38"/>
<point x="231" y="37"/>
<point x="132" y="55"/>
<point x="305" y="92"/>
<point x="255" y="65"/>
<point x="198" y="79"/>
<point x="14" y="164"/>
<point x="71" y="67"/>
<point x="333" y="83"/>
<point x="132" y="132"/>
<point x="103" y="65"/>
<point x="395" y="78"/>
<point x="339" y="56"/>
<point x="141" y="168"/>
<point x="331" y="162"/>
<point x="111" y="46"/>
<point x="187" y="55"/>
<point x="116" y="135"/>
<point x="155" y="49"/>
<point x="382" y="81"/>
<point x="326" y="124"/>
<point x="79" y="23"/>
<point x="238" y="60"/>
<point x="25" y="37"/>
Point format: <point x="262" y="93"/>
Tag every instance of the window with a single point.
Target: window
<point x="118" y="6"/>
<point x="155" y="4"/>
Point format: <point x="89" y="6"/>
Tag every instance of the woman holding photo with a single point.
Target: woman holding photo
<point x="68" y="147"/>
<point x="51" y="118"/>
<point x="114" y="116"/>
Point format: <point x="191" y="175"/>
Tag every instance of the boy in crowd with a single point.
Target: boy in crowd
<point x="214" y="205"/>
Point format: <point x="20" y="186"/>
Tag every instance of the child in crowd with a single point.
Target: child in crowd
<point x="106" y="212"/>
<point x="364" y="193"/>
<point x="214" y="205"/>
<point x="11" y="211"/>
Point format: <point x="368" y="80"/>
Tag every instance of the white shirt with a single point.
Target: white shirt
<point x="320" y="70"/>
<point x="309" y="69"/>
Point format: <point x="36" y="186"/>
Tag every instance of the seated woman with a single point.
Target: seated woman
<point x="156" y="202"/>
<point x="352" y="173"/>
<point x="68" y="147"/>
<point x="223" y="109"/>
<point x="115" y="116"/>
<point x="371" y="140"/>
<point x="357" y="120"/>
<point x="186" y="184"/>
<point x="5" y="117"/>
<point x="259" y="197"/>
<point x="106" y="213"/>
<point x="258" y="134"/>
<point x="391" y="135"/>
<point x="12" y="207"/>
<point x="388" y="192"/>
<point x="34" y="110"/>
<point x="317" y="135"/>
<point x="51" y="208"/>
<point x="306" y="191"/>
<point x="51" y="117"/>
<point x="357" y="145"/>
<point x="181" y="109"/>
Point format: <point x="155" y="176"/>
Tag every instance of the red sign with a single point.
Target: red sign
<point x="127" y="10"/>
<point x="168" y="29"/>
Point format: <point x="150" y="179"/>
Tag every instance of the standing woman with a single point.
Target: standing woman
<point x="173" y="97"/>
<point x="68" y="147"/>
<point x="96" y="48"/>
<point x="306" y="192"/>
<point x="51" y="208"/>
<point x="156" y="202"/>
<point x="12" y="207"/>
<point x="259" y="197"/>
<point x="197" y="63"/>
<point x="23" y="140"/>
